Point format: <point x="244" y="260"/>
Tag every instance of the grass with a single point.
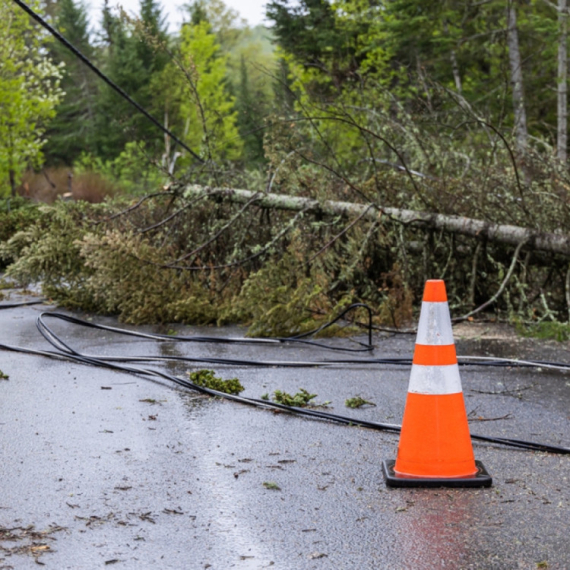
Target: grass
<point x="6" y="284"/>
<point x="545" y="331"/>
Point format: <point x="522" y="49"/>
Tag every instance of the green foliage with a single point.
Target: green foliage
<point x="4" y="376"/>
<point x="132" y="170"/>
<point x="357" y="402"/>
<point x="48" y="250"/>
<point x="271" y="485"/>
<point x="301" y="399"/>
<point x="83" y="261"/>
<point x="310" y="31"/>
<point x="546" y="330"/>
<point x="16" y="214"/>
<point x="249" y="114"/>
<point x="281" y="299"/>
<point x="123" y="279"/>
<point x="72" y="131"/>
<point x="134" y="59"/>
<point x="207" y="379"/>
<point x="29" y="93"/>
<point x="345" y="48"/>
<point x="206" y="108"/>
<point x="251" y="66"/>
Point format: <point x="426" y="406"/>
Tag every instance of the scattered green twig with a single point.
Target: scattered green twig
<point x="207" y="379"/>
<point x="357" y="402"/>
<point x="301" y="399"/>
<point x="151" y="401"/>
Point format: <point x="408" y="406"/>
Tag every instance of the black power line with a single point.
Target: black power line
<point x="106" y="79"/>
<point x="64" y="351"/>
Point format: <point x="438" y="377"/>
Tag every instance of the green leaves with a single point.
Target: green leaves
<point x="207" y="379"/>
<point x="301" y="399"/>
<point x="206" y="105"/>
<point x="29" y="93"/>
<point x="357" y="402"/>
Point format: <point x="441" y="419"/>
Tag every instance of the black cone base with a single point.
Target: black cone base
<point x="480" y="479"/>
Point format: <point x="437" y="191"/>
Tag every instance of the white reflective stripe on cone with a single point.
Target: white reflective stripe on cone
<point x="435" y="324"/>
<point x="435" y="380"/>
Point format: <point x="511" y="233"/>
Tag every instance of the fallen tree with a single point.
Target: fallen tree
<point x="198" y="254"/>
<point x="496" y="233"/>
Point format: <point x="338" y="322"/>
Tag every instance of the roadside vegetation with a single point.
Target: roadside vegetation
<point x="454" y="109"/>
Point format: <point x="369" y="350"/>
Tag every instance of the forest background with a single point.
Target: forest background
<point x="345" y="154"/>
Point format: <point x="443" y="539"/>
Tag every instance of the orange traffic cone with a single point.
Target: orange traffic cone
<point x="435" y="446"/>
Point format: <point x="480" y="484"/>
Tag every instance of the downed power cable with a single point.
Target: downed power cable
<point x="64" y="351"/>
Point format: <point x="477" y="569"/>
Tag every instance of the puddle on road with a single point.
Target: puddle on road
<point x="438" y="528"/>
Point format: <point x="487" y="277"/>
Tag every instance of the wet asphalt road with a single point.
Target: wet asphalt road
<point x="116" y="471"/>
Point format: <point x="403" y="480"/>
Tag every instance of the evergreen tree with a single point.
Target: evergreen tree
<point x="151" y="35"/>
<point x="311" y="32"/>
<point x="282" y="88"/>
<point x="251" y="70"/>
<point x="409" y="46"/>
<point x="72" y="130"/>
<point x="133" y="57"/>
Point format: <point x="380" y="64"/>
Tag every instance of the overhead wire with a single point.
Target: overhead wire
<point x="58" y="36"/>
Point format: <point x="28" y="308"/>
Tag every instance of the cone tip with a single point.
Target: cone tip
<point x="435" y="292"/>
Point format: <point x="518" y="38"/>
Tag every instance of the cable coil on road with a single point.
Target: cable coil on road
<point x="64" y="351"/>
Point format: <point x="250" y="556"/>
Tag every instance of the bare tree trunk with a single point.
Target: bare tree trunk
<point x="12" y="181"/>
<point x="516" y="78"/>
<point x="562" y="81"/>
<point x="11" y="172"/>
<point x="495" y="233"/>
<point x="454" y="64"/>
<point x="456" y="74"/>
<point x="421" y="76"/>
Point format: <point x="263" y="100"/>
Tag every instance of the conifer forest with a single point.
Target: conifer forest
<point x="343" y="153"/>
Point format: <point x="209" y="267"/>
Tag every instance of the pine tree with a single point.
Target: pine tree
<point x="151" y="34"/>
<point x="72" y="130"/>
<point x="133" y="57"/>
<point x="311" y="32"/>
<point x="410" y="46"/>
